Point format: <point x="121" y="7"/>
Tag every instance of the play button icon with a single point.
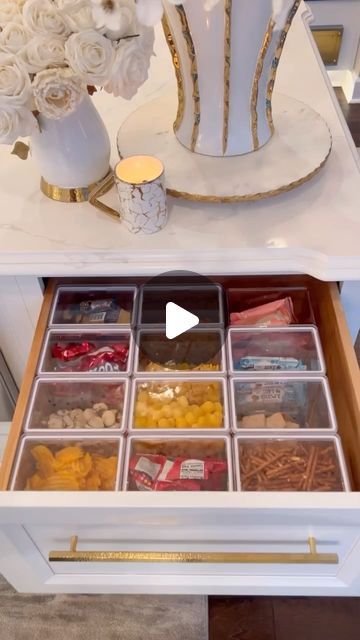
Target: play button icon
<point x="178" y="320"/>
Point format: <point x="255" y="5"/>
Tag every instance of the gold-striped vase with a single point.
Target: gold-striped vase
<point x="225" y="62"/>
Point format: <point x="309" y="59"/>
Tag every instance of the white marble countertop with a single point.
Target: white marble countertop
<point x="314" y="229"/>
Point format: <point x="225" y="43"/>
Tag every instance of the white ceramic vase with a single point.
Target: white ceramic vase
<point x="225" y="62"/>
<point x="72" y="153"/>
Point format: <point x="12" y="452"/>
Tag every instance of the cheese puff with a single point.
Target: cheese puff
<point x="45" y="461"/>
<point x="67" y="455"/>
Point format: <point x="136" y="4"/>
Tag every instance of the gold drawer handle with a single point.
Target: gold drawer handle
<point x="194" y="557"/>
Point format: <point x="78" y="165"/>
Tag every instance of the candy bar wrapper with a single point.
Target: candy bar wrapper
<point x="271" y="394"/>
<point x="255" y="363"/>
<point x="85" y="356"/>
<point x="103" y="311"/>
<point x="159" y="473"/>
<point x="279" y="313"/>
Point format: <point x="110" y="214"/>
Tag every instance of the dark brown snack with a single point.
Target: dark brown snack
<point x="292" y="465"/>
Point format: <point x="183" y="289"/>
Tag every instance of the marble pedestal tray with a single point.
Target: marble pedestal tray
<point x="297" y="151"/>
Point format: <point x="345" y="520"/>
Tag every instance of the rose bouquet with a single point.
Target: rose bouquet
<point x="52" y="52"/>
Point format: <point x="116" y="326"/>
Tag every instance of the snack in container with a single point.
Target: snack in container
<point x="279" y="313"/>
<point x="288" y="350"/>
<point x="173" y="464"/>
<point x="104" y="352"/>
<point x="93" y="305"/>
<point x="198" y="351"/>
<point x="68" y="464"/>
<point x="182" y="403"/>
<point x="290" y="464"/>
<point x="270" y="306"/>
<point x="86" y="404"/>
<point x="204" y="301"/>
<point x="282" y="403"/>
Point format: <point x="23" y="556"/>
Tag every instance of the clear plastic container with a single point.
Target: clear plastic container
<point x="261" y="351"/>
<point x="206" y="302"/>
<point x="178" y="464"/>
<point x="247" y="299"/>
<point x="78" y="405"/>
<point x="68" y="353"/>
<point x="67" y="464"/>
<point x="290" y="463"/>
<point x="94" y="305"/>
<point x="179" y="404"/>
<point x="281" y="404"/>
<point x="192" y="352"/>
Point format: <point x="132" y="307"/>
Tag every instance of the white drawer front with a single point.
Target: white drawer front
<point x="224" y="525"/>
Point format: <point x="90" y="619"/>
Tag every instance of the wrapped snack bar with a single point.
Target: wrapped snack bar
<point x="104" y="352"/>
<point x="290" y="464"/>
<point x="282" y="403"/>
<point x="173" y="464"/>
<point x="270" y="307"/>
<point x="199" y="351"/>
<point x="179" y="403"/>
<point x="94" y="305"/>
<point x="293" y="350"/>
<point x="67" y="464"/>
<point x="78" y="404"/>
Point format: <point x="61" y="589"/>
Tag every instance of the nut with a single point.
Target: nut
<point x="89" y="414"/>
<point x="55" y="422"/>
<point x="100" y="407"/>
<point x="68" y="422"/>
<point x="95" y="423"/>
<point x="109" y="418"/>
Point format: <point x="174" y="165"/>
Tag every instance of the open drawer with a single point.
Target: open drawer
<point x="213" y="543"/>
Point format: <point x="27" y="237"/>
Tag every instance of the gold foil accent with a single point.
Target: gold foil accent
<point x="253" y="197"/>
<point x="62" y="194"/>
<point x="255" y="87"/>
<point x="227" y="70"/>
<point x="275" y="63"/>
<point x="196" y="557"/>
<point x="193" y="72"/>
<point x="21" y="150"/>
<point x="178" y="73"/>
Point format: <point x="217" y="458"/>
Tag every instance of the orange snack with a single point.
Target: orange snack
<point x="71" y="469"/>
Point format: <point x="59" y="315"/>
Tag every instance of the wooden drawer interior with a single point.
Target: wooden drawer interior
<point x="341" y="363"/>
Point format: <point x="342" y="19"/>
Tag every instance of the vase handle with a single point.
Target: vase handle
<point x="100" y="190"/>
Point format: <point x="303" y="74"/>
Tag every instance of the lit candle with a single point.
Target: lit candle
<point x="140" y="183"/>
<point x="139" y="169"/>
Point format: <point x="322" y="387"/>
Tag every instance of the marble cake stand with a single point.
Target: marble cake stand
<point x="298" y="150"/>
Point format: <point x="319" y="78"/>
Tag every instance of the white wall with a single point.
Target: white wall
<point x="340" y="12"/>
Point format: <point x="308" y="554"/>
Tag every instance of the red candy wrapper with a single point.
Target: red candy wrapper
<point x="85" y="356"/>
<point x="279" y="313"/>
<point x="158" y="473"/>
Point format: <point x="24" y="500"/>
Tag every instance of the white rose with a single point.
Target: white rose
<point x="13" y="37"/>
<point x="91" y="56"/>
<point x="42" y="16"/>
<point x="116" y="16"/>
<point x="15" y="122"/>
<point x="130" y="69"/>
<point x="77" y="14"/>
<point x="57" y="92"/>
<point x="15" y="85"/>
<point x="42" y="52"/>
<point x="146" y="39"/>
<point x="9" y="12"/>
